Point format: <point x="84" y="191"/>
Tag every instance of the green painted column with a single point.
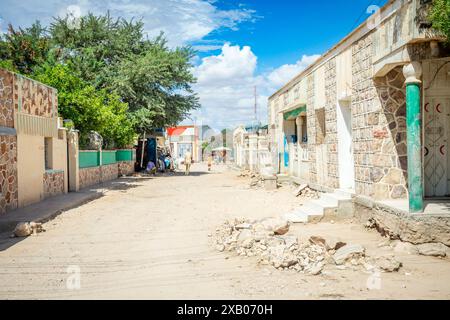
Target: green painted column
<point x="413" y="73"/>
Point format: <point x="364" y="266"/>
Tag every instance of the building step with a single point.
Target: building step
<point x="335" y="198"/>
<point x="296" y="217"/>
<point x="312" y="217"/>
<point x="303" y="215"/>
<point x="348" y="193"/>
<point x="327" y="206"/>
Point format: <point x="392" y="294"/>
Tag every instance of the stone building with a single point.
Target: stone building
<point x="251" y="148"/>
<point x="39" y="158"/>
<point x="371" y="117"/>
<point x="33" y="145"/>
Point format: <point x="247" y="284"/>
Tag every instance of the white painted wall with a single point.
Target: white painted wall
<point x="345" y="151"/>
<point x="344" y="74"/>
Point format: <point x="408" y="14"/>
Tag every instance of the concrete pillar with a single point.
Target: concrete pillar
<point x="413" y="73"/>
<point x="253" y="148"/>
<point x="73" y="164"/>
<point x="299" y="123"/>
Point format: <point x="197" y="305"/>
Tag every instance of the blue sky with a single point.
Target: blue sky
<point x="241" y="44"/>
<point x="288" y="29"/>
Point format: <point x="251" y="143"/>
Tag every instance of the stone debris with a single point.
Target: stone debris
<point x="276" y="225"/>
<point x="25" y="229"/>
<point x="405" y="247"/>
<point x="268" y="240"/>
<point x="244" y="174"/>
<point x="256" y="180"/>
<point x="432" y="249"/>
<point x="300" y="189"/>
<point x="388" y="263"/>
<point x="305" y="192"/>
<point x="348" y="252"/>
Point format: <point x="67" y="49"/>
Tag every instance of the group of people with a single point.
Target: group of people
<point x="166" y="162"/>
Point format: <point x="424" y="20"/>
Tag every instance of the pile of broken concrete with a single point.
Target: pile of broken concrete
<point x="305" y="192"/>
<point x="268" y="240"/>
<point x="25" y="229"/>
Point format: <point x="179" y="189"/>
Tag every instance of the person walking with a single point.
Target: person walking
<point x="210" y="161"/>
<point x="187" y="163"/>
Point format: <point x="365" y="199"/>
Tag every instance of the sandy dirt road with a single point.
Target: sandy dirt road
<point x="148" y="239"/>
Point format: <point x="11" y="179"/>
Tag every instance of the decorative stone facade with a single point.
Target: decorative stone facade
<point x="8" y="173"/>
<point x="310" y="113"/>
<point x="389" y="173"/>
<point x="95" y="175"/>
<point x="35" y="98"/>
<point x="331" y="124"/>
<point x="89" y="177"/>
<point x="110" y="172"/>
<point x="6" y="99"/>
<point x="53" y="183"/>
<point x="125" y="168"/>
<point x="363" y="107"/>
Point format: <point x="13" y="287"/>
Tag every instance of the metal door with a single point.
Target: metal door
<point x="436" y="146"/>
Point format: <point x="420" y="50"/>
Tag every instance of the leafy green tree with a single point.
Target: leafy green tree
<point x="88" y="108"/>
<point x="22" y="49"/>
<point x="106" y="72"/>
<point x="440" y="17"/>
<point x="113" y="54"/>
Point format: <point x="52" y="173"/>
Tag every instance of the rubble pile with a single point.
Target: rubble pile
<point x="305" y="192"/>
<point x="244" y="173"/>
<point x="256" y="180"/>
<point x="25" y="229"/>
<point x="268" y="240"/>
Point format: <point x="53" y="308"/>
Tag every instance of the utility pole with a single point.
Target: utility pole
<point x="256" y="107"/>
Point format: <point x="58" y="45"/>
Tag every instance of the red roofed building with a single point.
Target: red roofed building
<point x="183" y="139"/>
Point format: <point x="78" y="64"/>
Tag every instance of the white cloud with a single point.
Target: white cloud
<point x="226" y="85"/>
<point x="183" y="21"/>
<point x="283" y="74"/>
<point x="226" y="81"/>
<point x="232" y="63"/>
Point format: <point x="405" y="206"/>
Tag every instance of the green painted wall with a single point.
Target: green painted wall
<point x="290" y="115"/>
<point x="125" y="155"/>
<point x="108" y="157"/>
<point x="88" y="159"/>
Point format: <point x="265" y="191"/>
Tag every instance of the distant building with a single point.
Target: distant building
<point x="250" y="147"/>
<point x="182" y="139"/>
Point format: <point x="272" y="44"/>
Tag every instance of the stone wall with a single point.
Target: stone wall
<point x="414" y="228"/>
<point x="8" y="173"/>
<point x="8" y="145"/>
<point x="311" y="127"/>
<point x="6" y="99"/>
<point x="331" y="138"/>
<point x="363" y="107"/>
<point x="89" y="177"/>
<point x="389" y="174"/>
<point x="125" y="168"/>
<point x="110" y="172"/>
<point x="96" y="175"/>
<point x="53" y="183"/>
<point x="35" y="98"/>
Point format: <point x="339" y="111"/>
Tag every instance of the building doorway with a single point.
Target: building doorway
<point x="345" y="150"/>
<point x="436" y="149"/>
<point x="436" y="122"/>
